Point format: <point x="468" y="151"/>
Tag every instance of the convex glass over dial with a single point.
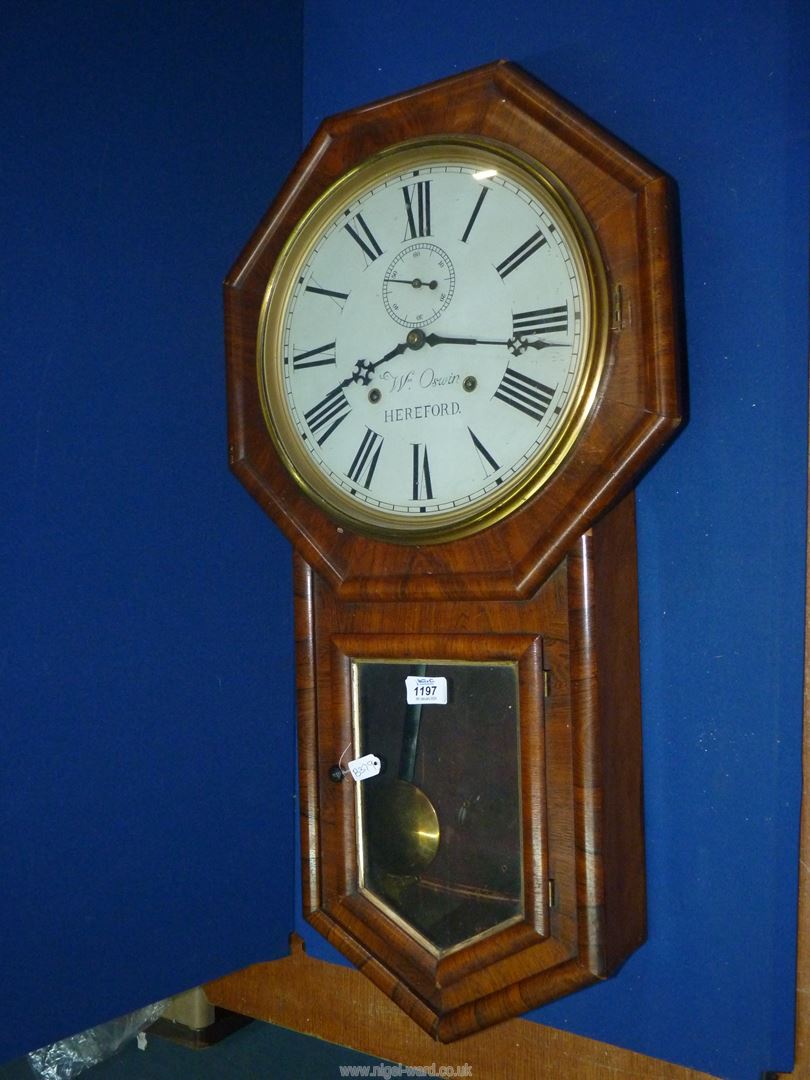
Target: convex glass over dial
<point x="431" y="339"/>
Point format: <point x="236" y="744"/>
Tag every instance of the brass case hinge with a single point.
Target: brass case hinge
<point x="617" y="309"/>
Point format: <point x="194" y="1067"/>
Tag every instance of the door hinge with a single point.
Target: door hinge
<point x="617" y="309"/>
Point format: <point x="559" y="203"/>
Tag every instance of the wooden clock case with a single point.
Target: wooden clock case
<point x="551" y="587"/>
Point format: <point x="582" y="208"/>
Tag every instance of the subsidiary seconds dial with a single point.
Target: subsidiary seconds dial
<point x="419" y="284"/>
<point x="431" y="339"/>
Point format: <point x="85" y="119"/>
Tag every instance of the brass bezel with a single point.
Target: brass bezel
<point x="462" y="521"/>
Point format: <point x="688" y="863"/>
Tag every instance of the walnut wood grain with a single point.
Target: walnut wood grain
<point x="551" y="587"/>
<point x="581" y="628"/>
<point x="630" y="206"/>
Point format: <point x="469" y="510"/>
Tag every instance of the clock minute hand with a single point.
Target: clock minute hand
<point x="517" y="344"/>
<point x="440" y="339"/>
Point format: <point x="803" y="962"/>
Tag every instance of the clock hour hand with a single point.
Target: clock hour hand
<point x="364" y="369"/>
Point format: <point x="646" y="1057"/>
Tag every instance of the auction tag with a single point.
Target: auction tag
<point x="426" y="690"/>
<point x="364" y="767"/>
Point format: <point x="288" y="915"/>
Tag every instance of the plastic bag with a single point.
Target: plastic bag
<point x="67" y="1058"/>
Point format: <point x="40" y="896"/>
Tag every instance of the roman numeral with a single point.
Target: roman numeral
<point x="417" y="208"/>
<point x="526" y="394"/>
<point x="368" y="245"/>
<point x="484" y="453"/>
<point x="366" y="458"/>
<point x="323" y="354"/>
<point x="550" y="320"/>
<point x="521" y="254"/>
<point x="422" y="487"/>
<point x="328" y="413"/>
<point x="474" y="215"/>
<point x="340" y="298"/>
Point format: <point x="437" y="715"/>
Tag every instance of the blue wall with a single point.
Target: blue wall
<point x="716" y="93"/>
<point x="146" y="770"/>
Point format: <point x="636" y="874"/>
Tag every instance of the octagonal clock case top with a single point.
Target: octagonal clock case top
<point x="452" y="348"/>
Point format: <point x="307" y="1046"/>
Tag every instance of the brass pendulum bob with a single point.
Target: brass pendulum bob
<point x="402" y="825"/>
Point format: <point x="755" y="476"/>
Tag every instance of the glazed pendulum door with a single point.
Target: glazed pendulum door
<point x="440" y="826"/>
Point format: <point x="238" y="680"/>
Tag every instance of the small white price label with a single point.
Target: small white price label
<point x="364" y="767"/>
<point x="426" y="690"/>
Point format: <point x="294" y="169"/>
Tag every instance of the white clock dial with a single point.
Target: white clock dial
<point x="430" y="341"/>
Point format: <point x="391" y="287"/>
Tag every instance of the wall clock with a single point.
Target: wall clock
<point x="452" y="349"/>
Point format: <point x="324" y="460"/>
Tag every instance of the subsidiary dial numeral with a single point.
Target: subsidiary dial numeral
<point x="359" y="231"/>
<point x="317" y="357"/>
<point x="550" y="320"/>
<point x="521" y="254"/>
<point x="525" y="394"/>
<point x="328" y="413"/>
<point x="417" y="209"/>
<point x="422" y="487"/>
<point x="365" y="461"/>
